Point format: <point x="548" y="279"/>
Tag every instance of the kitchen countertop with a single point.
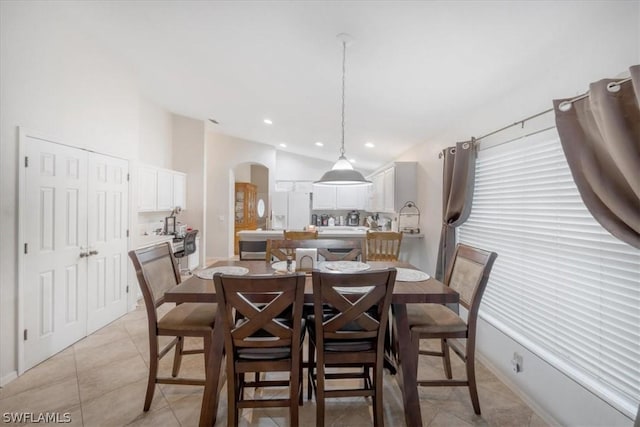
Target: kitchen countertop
<point x="323" y="233"/>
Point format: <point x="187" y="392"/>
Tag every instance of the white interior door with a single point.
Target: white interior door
<point x="55" y="228"/>
<point x="107" y="239"/>
<point x="73" y="217"/>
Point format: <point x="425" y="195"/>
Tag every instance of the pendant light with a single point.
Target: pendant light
<point x="342" y="172"/>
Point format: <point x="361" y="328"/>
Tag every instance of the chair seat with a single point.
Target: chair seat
<point x="333" y="345"/>
<point x="189" y="316"/>
<point x="434" y="318"/>
<point x="268" y="353"/>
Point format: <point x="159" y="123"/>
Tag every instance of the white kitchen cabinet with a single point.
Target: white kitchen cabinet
<point x="352" y="197"/>
<point x="147" y="189"/>
<point x="160" y="189"/>
<point x="165" y="190"/>
<point x="180" y="190"/>
<point x="393" y="187"/>
<point x="324" y="197"/>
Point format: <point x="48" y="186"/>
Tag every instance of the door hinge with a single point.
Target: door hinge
<point x="24" y="334"/>
<point x="26" y="161"/>
<point x="127" y="233"/>
<point x="26" y="248"/>
<point x="127" y="288"/>
<point x="128" y="177"/>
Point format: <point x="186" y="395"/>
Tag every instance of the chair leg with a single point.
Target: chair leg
<point x="153" y="372"/>
<point x="378" y="412"/>
<point x="177" y="357"/>
<point x="471" y="379"/>
<point x="310" y="369"/>
<point x="320" y="392"/>
<point x="294" y="393"/>
<point x="446" y="359"/>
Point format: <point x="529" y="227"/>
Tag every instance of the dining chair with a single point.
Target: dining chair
<point x="284" y="251"/>
<point x="329" y="249"/>
<point x="263" y="333"/>
<point x="383" y="245"/>
<point x="188" y="248"/>
<point x="157" y="272"/>
<point x="468" y="274"/>
<point x="350" y="335"/>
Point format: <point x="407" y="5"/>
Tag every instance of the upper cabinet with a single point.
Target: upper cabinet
<point x="340" y="197"/>
<point x="393" y="187"/>
<point x="160" y="189"/>
<point x="324" y="197"/>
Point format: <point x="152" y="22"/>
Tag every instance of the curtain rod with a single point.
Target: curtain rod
<point x="564" y="106"/>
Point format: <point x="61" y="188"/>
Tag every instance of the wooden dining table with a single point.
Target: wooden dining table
<point x="196" y="289"/>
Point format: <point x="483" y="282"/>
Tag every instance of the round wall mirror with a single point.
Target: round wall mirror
<point x="260" y="208"/>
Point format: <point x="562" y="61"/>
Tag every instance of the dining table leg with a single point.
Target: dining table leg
<point x="407" y="367"/>
<point x="214" y="353"/>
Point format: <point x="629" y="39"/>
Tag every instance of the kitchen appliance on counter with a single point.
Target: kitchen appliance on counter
<point x="353" y="218"/>
<point x="324" y="220"/>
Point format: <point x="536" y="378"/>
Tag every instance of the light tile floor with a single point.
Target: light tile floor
<point x="101" y="381"/>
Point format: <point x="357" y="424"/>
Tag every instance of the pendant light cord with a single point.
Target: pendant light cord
<point x="344" y="56"/>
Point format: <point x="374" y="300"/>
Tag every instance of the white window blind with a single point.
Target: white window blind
<point x="562" y="285"/>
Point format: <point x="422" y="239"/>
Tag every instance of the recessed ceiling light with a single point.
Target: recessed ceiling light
<point x="369" y="145"/>
<point x="352" y="160"/>
<point x="283" y="145"/>
<point x="268" y="121"/>
<point x="319" y="144"/>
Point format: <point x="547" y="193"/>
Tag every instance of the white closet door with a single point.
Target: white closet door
<point x="55" y="230"/>
<point x="107" y="239"/>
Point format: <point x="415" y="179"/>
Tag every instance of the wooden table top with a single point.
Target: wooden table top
<point x="431" y="290"/>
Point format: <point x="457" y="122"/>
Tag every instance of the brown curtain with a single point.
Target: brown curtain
<point x="600" y="136"/>
<point x="457" y="191"/>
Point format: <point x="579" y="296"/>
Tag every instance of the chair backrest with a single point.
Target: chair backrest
<point x="190" y="242"/>
<point x="468" y="275"/>
<point x="157" y="272"/>
<point x="359" y="305"/>
<point x="383" y="245"/>
<point x="252" y="250"/>
<point x="260" y="311"/>
<point x="330" y="249"/>
<point x="300" y="235"/>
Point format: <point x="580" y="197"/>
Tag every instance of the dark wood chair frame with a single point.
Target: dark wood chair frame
<point x="354" y="318"/>
<point x="449" y="339"/>
<point x="330" y="249"/>
<point x="262" y="315"/>
<point x="140" y="259"/>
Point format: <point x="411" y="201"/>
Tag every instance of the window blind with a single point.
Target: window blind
<point x="562" y="285"/>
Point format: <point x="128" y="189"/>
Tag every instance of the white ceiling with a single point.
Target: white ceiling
<point x="416" y="71"/>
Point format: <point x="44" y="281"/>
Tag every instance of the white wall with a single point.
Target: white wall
<point x="189" y="157"/>
<point x="62" y="85"/>
<point x="294" y="167"/>
<point x="223" y="154"/>
<point x="155" y="143"/>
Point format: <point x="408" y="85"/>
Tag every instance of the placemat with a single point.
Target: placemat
<point x="225" y="269"/>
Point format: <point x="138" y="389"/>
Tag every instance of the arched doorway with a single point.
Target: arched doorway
<point x="249" y="206"/>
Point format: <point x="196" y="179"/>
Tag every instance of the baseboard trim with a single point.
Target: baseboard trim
<point x="548" y="418"/>
<point x="8" y="378"/>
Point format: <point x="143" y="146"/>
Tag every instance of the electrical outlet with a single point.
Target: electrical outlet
<point x="516" y="362"/>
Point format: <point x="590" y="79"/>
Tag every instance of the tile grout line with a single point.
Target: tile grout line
<point x="75" y="366"/>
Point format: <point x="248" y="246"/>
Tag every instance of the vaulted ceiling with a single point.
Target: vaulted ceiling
<point x="415" y="74"/>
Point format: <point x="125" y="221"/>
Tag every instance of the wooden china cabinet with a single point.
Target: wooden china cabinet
<point x="246" y="217"/>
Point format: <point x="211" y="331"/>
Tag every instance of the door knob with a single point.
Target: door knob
<point x="93" y="252"/>
<point x="84" y="254"/>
